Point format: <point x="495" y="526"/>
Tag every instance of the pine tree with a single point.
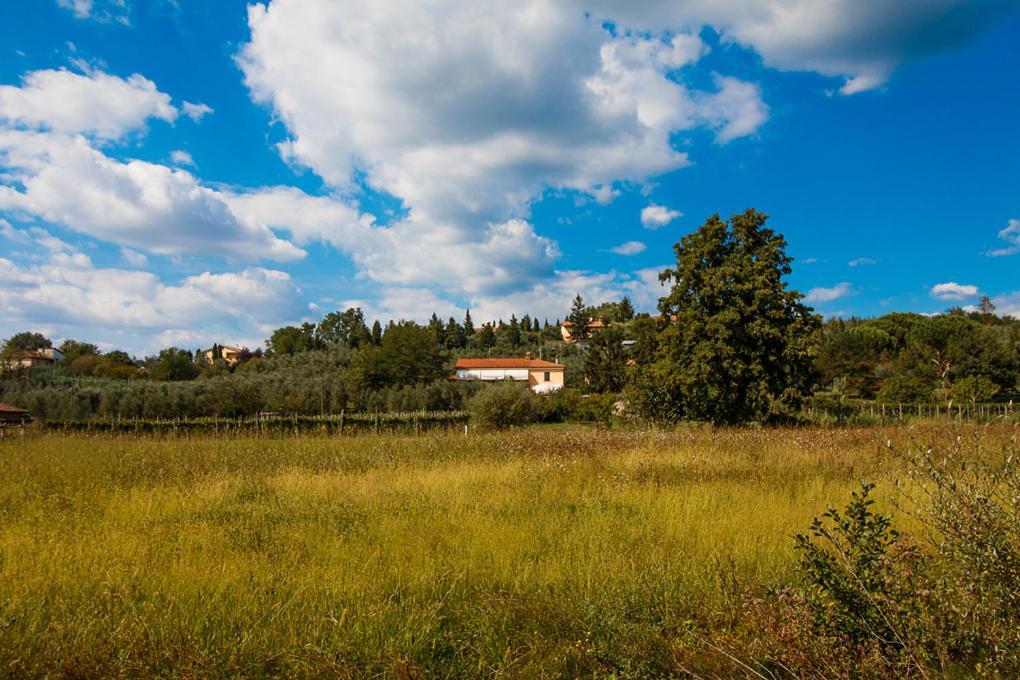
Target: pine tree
<point x="469" y="325"/>
<point x="514" y="332"/>
<point x="376" y="333"/>
<point x="626" y="309"/>
<point x="579" y="318"/>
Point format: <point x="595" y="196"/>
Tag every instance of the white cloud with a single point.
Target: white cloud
<point x="863" y="42"/>
<point x="196" y="112"/>
<point x="136" y="311"/>
<point x="1008" y="304"/>
<point x="629" y="248"/>
<point x="103" y="11"/>
<point x="95" y="104"/>
<point x="823" y="295"/>
<point x="862" y="262"/>
<point x="1011" y="235"/>
<point x="141" y="205"/>
<point x="133" y="257"/>
<point x="468" y="112"/>
<point x="181" y="157"/>
<point x="953" y="291"/>
<point x="656" y="216"/>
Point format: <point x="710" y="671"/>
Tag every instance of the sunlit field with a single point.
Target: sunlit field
<point x="543" y="552"/>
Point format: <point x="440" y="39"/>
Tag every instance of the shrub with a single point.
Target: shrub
<point x="503" y="406"/>
<point x="974" y="388"/>
<point x="860" y="576"/>
<point x="904" y="389"/>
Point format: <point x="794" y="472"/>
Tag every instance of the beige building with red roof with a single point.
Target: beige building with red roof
<point x="541" y="376"/>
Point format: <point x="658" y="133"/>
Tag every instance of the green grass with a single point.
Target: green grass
<point x="539" y="553"/>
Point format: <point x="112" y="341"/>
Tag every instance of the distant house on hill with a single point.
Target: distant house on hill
<point x="12" y="415"/>
<point x="540" y="376"/>
<point x="231" y="355"/>
<point x="30" y="358"/>
<point x="567" y="327"/>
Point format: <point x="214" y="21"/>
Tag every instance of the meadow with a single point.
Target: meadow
<point x="542" y="552"/>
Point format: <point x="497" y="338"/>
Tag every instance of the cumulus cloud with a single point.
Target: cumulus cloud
<point x="196" y="112"/>
<point x="133" y="257"/>
<point x="68" y="296"/>
<point x="953" y="291"/>
<point x="656" y="216"/>
<point x="141" y="205"/>
<point x="468" y="112"/>
<point x="1008" y="304"/>
<point x="95" y="104"/>
<point x="180" y="157"/>
<point x="862" y="42"/>
<point x="823" y="295"/>
<point x="1011" y="235"/>
<point x="629" y="248"/>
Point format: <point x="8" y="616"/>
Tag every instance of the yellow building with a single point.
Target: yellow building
<point x="230" y="355"/>
<point x="541" y="376"/>
<point x="567" y="327"/>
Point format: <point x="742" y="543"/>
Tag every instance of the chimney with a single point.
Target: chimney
<point x="527" y="355"/>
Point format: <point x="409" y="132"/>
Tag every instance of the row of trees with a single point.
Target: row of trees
<point x="731" y="343"/>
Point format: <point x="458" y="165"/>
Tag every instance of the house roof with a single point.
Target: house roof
<point x="7" y="408"/>
<point x="31" y="354"/>
<point x="511" y="362"/>
<point x="594" y="323"/>
<point x="230" y="348"/>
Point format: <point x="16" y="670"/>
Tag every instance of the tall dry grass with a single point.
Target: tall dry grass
<point x="537" y="553"/>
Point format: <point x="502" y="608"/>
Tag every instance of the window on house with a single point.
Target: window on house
<point x="548" y="376"/>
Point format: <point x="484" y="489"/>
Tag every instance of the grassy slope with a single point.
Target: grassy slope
<point x="537" y="553"/>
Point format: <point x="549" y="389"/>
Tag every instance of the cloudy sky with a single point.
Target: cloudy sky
<point x="183" y="172"/>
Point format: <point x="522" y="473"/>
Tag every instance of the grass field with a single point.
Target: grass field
<point x="537" y="553"/>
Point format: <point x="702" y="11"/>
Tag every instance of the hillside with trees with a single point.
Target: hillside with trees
<point x="730" y="343"/>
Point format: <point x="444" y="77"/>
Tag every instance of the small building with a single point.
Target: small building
<point x="540" y="376"/>
<point x="230" y="354"/>
<point x="593" y="325"/>
<point x="12" y="415"/>
<point x="30" y="358"/>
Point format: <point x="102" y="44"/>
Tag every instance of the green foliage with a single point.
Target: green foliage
<point x="293" y="340"/>
<point x="903" y="388"/>
<point x="605" y="361"/>
<point x="975" y="389"/>
<point x="26" y="341"/>
<point x="742" y="346"/>
<point x="174" y="364"/>
<point x="579" y="317"/>
<point x="73" y="349"/>
<point x="502" y="406"/>
<point x="345" y="328"/>
<point x="858" y="574"/>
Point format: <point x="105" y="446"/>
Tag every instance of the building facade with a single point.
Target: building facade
<point x="540" y="376"/>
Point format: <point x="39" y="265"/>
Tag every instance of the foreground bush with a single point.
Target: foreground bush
<point x="503" y="406"/>
<point x="876" y="603"/>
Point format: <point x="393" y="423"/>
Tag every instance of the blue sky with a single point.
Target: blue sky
<point x="179" y="172"/>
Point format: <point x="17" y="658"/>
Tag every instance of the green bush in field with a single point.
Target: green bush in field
<point x="877" y="603"/>
<point x="974" y="389"/>
<point x="503" y="406"/>
<point x="901" y="388"/>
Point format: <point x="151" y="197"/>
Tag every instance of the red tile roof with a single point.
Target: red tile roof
<point x="7" y="408"/>
<point x="506" y="363"/>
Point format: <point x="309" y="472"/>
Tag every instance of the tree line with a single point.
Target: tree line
<point x="731" y="342"/>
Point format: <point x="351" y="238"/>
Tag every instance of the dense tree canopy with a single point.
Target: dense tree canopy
<point x="742" y="345"/>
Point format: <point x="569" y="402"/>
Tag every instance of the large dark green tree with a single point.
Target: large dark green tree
<point x="741" y="347"/>
<point x="605" y="361"/>
<point x="579" y="316"/>
<point x="345" y="328"/>
<point x="26" y="341"/>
